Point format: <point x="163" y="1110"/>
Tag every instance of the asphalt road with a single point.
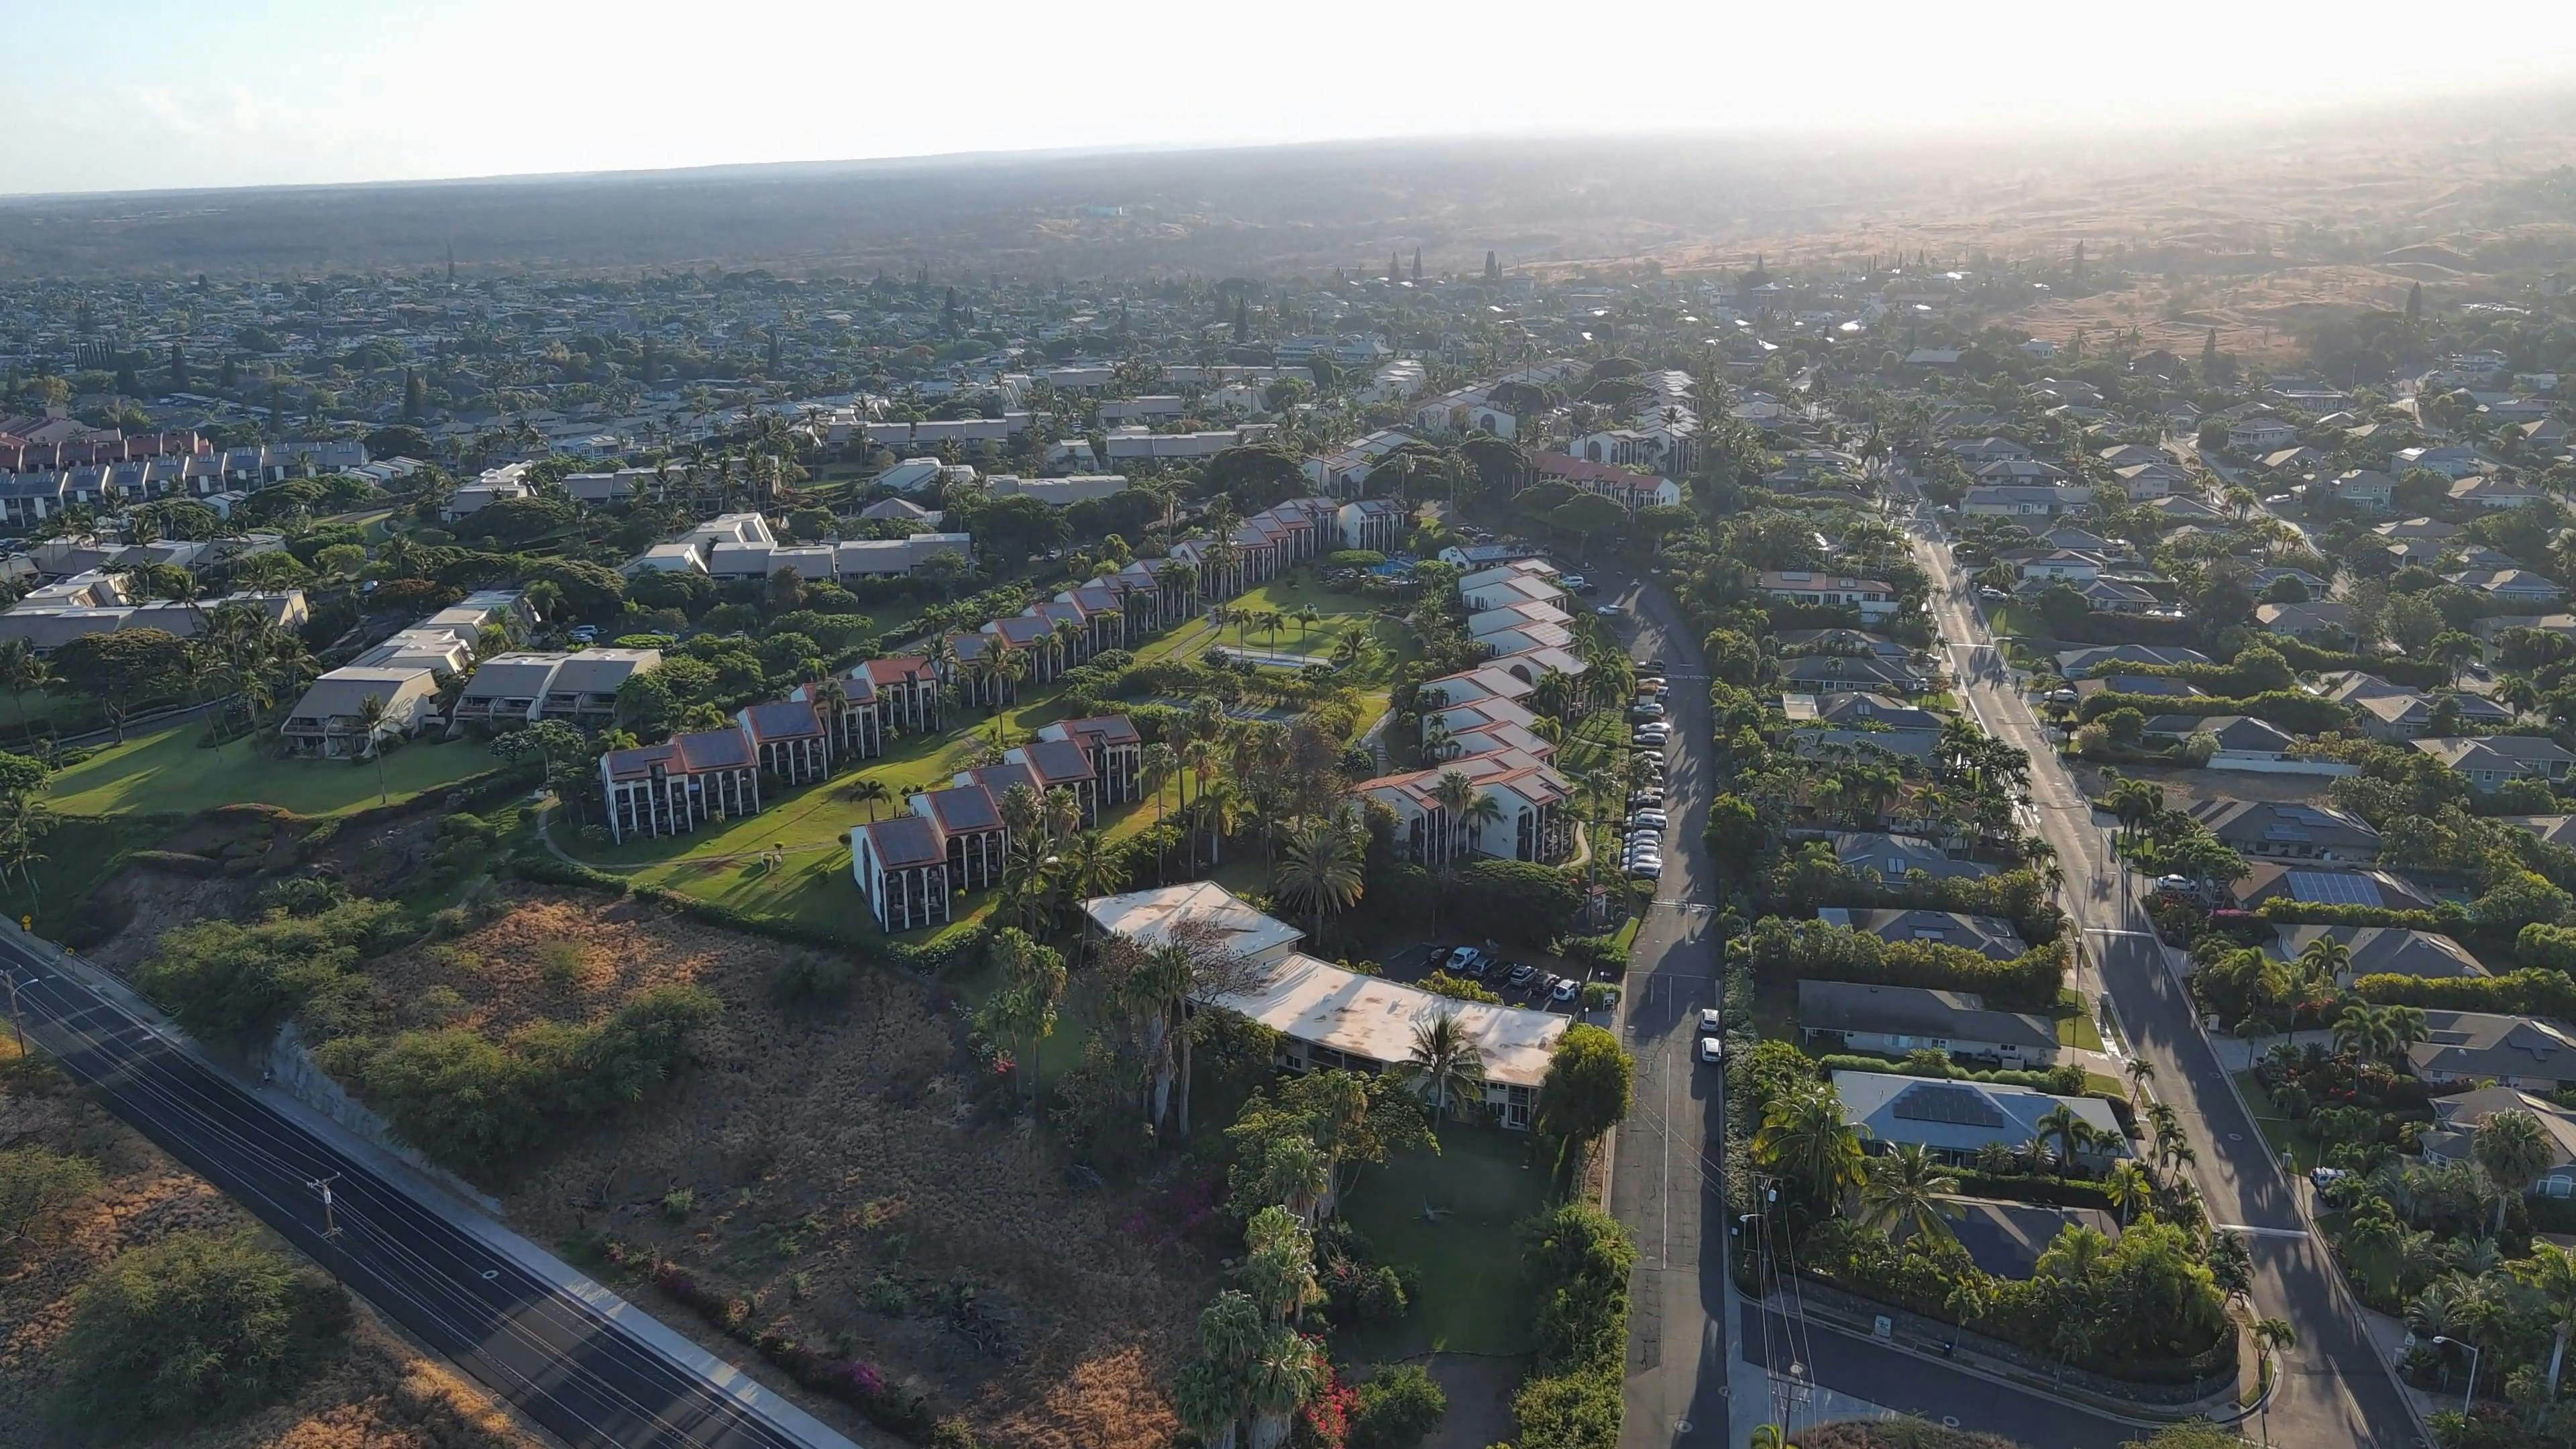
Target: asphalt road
<point x="2335" y="1389"/>
<point x="562" y="1363"/>
<point x="1664" y="1181"/>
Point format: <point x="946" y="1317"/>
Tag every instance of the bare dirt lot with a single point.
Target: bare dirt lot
<point x="381" y="1395"/>
<point x="828" y="1169"/>
<point x="2183" y="785"/>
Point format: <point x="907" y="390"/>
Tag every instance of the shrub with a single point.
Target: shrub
<point x="472" y="1103"/>
<point x="1603" y="954"/>
<point x="811" y="978"/>
<point x="1581" y="1258"/>
<point x="562" y="964"/>
<point x="1514" y="900"/>
<point x="1397" y="1409"/>
<point x="678" y="1203"/>
<point x="1441" y="983"/>
<point x="37" y="1186"/>
<point x="1813" y="950"/>
<point x="194" y="1329"/>
<point x="2532" y="991"/>
<point x="234" y="983"/>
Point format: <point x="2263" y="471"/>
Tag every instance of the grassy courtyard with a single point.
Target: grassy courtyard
<point x="1334" y="613"/>
<point x="1454" y="1219"/>
<point x="805" y="828"/>
<point x="169" y="773"/>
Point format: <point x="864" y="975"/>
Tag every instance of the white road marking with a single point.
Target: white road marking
<point x="2253" y="1232"/>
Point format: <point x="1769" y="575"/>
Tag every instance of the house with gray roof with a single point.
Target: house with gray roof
<point x="2457" y="1119"/>
<point x="2510" y="1051"/>
<point x="2384" y="951"/>
<point x="2287" y="830"/>
<point x="1892" y="857"/>
<point x="2491" y="760"/>
<point x="1955" y="1120"/>
<point x="1894" y="1020"/>
<point x="1990" y="936"/>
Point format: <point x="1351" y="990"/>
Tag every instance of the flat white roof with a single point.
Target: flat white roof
<point x="1367" y="1016"/>
<point x="1147" y="917"/>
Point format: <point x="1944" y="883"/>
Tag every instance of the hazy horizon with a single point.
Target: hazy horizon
<point x="477" y="92"/>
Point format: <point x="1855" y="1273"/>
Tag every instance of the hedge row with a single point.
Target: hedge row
<point x="1581" y="1257"/>
<point x="2445" y="919"/>
<point x="2294" y="710"/>
<point x="1785" y="951"/>
<point x="2532" y="991"/>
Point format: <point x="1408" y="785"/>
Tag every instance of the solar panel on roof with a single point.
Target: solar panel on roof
<point x="2334" y="888"/>
<point x="1958" y="1106"/>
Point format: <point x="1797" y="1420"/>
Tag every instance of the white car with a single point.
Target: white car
<point x="1645" y="709"/>
<point x="1567" y="988"/>
<point x="1711" y="1021"/>
<point x="1653" y="734"/>
<point x="1650" y="867"/>
<point x="1648" y="820"/>
<point x="1610" y="611"/>
<point x="1711" y="1049"/>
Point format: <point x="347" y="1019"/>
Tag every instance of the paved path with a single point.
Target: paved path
<point x="589" y="1368"/>
<point x="2337" y="1389"/>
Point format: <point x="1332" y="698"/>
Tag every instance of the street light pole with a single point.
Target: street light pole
<point x="2468" y="1400"/>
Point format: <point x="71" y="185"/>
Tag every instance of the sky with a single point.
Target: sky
<point x="153" y="94"/>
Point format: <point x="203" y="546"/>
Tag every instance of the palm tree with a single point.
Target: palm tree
<point x="1284" y="1377"/>
<point x="2071" y="1133"/>
<point x="2513" y="1149"/>
<point x="2273" y="1336"/>
<point x="1307" y="618"/>
<point x="20" y="671"/>
<point x="2126" y="1186"/>
<point x="371" y="718"/>
<point x="2551" y="1270"/>
<point x="1443" y="1056"/>
<point x="2076" y="1254"/>
<point x="1903" y="1191"/>
<point x="1804" y="1137"/>
<point x="1454" y="793"/>
<point x="2141" y="1071"/>
<point x="872" y="792"/>
<point x="2324" y="959"/>
<point x="1482" y="810"/>
<point x="1322" y="870"/>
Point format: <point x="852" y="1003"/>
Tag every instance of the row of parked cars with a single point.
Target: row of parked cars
<point x="1477" y="964"/>
<point x="1651" y="734"/>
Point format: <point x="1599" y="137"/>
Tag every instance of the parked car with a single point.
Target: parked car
<point x="1574" y="583"/>
<point x="1645" y="709"/>
<point x="1651" y="734"/>
<point x="1654" y="666"/>
<point x="1991" y="594"/>
<point x="1648" y="819"/>
<point x="585" y="633"/>
<point x="1711" y="1021"/>
<point x="1469" y="962"/>
<point x="1520" y="974"/>
<point x="1609" y="611"/>
<point x="1649" y="868"/>
<point x="1566" y="989"/>
<point x="1711" y="1049"/>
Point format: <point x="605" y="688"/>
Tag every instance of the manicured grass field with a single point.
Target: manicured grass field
<point x="1476" y="1297"/>
<point x="2075" y="1026"/>
<point x="167" y="773"/>
<point x="1335" y="612"/>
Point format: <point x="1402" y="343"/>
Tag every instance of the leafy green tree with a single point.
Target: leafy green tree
<point x="38" y="1185"/>
<point x="193" y="1330"/>
<point x="1396" y="1409"/>
<point x="124" y="669"/>
<point x="1590" y="1086"/>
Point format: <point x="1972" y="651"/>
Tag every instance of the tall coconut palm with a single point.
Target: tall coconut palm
<point x="2127" y="1187"/>
<point x="371" y="719"/>
<point x="1903" y="1193"/>
<point x="1804" y="1138"/>
<point x="1482" y="810"/>
<point x="1321" y="871"/>
<point x="2324" y="959"/>
<point x="2274" y="1336"/>
<point x="2060" y="1126"/>
<point x="871" y="792"/>
<point x="1284" y="1377"/>
<point x="2141" y="1071"/>
<point x="2513" y="1149"/>
<point x="2551" y="1270"/>
<point x="1443" y="1057"/>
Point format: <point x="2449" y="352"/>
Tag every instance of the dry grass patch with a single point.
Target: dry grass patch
<point x="380" y="1394"/>
<point x="831" y="1169"/>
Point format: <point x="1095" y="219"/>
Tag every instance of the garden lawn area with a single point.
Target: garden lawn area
<point x="1335" y="612"/>
<point x="2283" y="1134"/>
<point x="2075" y="1026"/>
<point x="2016" y="621"/>
<point x="167" y="773"/>
<point x="1475" y="1296"/>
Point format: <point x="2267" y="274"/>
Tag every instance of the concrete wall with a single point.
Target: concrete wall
<point x="303" y="1079"/>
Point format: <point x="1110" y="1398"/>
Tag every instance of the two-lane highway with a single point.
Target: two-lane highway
<point x="2336" y="1389"/>
<point x="570" y="1356"/>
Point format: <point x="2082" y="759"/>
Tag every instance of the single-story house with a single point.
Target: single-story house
<point x="1893" y="857"/>
<point x="1895" y="1020"/>
<point x="2457" y="1119"/>
<point x="2510" y="1051"/>
<point x="2490" y="760"/>
<point x="2287" y="830"/>
<point x="2305" y="621"/>
<point x="1955" y="1120"/>
<point x="1990" y="936"/>
<point x="2385" y="951"/>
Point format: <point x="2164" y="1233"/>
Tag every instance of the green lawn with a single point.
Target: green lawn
<point x="1475" y="1296"/>
<point x="168" y="773"/>
<point x="2016" y="621"/>
<point x="2075" y="1026"/>
<point x="2283" y="1134"/>
<point x="80" y="855"/>
<point x="1286" y="595"/>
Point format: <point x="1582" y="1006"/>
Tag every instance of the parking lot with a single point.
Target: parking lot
<point x="1494" y="969"/>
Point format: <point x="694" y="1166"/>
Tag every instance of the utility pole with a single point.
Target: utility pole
<point x="17" y="1023"/>
<point x="330" y="1215"/>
